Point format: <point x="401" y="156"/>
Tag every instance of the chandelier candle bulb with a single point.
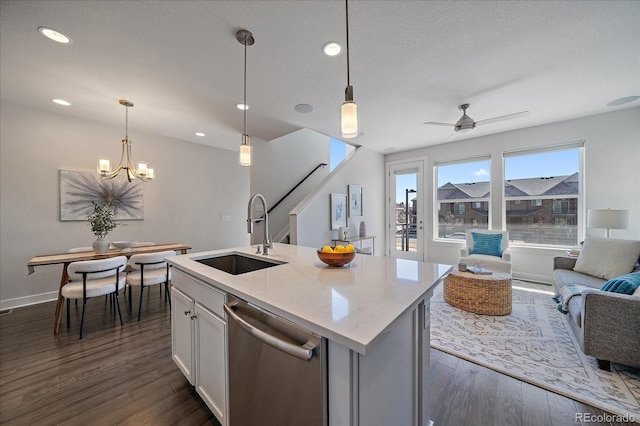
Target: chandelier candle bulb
<point x="104" y="166"/>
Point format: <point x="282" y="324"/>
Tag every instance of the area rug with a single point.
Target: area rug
<point x="534" y="344"/>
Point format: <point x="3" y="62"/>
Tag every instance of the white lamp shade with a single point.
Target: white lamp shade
<point x="104" y="166"/>
<point x="349" y="119"/>
<point x="245" y="155"/>
<point x="142" y="169"/>
<point x="608" y="219"/>
<point x="150" y="173"/>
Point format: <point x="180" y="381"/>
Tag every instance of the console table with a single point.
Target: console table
<point x="351" y="240"/>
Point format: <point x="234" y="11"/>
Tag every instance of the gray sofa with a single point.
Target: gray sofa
<point x="607" y="325"/>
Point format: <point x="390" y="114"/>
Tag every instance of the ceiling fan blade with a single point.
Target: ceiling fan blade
<point x="503" y="117"/>
<point x="450" y="136"/>
<point x="436" y="123"/>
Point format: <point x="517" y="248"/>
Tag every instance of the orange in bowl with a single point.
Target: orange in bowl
<point x="336" y="258"/>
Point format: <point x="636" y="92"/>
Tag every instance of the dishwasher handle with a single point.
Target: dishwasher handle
<point x="305" y="352"/>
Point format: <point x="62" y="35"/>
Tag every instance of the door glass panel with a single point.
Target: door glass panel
<point x="405" y="210"/>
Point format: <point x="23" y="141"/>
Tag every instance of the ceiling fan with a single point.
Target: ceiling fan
<point x="467" y="124"/>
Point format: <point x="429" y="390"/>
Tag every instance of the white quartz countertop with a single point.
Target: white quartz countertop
<point x="351" y="305"/>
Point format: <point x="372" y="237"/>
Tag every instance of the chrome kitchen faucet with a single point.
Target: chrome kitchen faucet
<point x="266" y="243"/>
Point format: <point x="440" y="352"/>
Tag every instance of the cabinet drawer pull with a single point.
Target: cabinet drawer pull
<point x="187" y="312"/>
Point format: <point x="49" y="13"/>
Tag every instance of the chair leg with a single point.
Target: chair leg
<point x="118" y="306"/>
<point x="84" y="305"/>
<point x="140" y="305"/>
<point x="130" y="301"/>
<point x="68" y="309"/>
<point x="166" y="293"/>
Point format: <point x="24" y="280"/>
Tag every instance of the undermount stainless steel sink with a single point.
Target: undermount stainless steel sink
<point x="236" y="263"/>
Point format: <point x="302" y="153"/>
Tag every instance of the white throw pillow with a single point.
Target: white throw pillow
<point x="607" y="258"/>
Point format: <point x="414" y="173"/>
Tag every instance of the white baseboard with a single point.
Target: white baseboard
<point x="28" y="300"/>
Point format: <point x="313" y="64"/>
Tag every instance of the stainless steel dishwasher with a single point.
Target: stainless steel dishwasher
<point x="277" y="370"/>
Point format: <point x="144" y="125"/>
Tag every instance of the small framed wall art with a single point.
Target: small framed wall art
<point x="338" y="207"/>
<point x="355" y="200"/>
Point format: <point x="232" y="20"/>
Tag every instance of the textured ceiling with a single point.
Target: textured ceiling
<point x="411" y="62"/>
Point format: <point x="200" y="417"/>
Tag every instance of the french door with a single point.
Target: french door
<point x="406" y="210"/>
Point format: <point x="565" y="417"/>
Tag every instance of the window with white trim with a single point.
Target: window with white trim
<point x="543" y="195"/>
<point x="462" y="197"/>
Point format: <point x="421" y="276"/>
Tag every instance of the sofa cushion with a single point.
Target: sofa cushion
<point x="607" y="257"/>
<point x="624" y="284"/>
<point x="489" y="244"/>
<point x="562" y="277"/>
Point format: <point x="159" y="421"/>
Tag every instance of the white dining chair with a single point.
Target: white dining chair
<point x="98" y="277"/>
<point x="149" y="269"/>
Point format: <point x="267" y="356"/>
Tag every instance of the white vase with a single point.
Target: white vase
<point x="100" y="245"/>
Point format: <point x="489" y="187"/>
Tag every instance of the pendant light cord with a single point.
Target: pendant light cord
<point x="126" y="123"/>
<point x="346" y="3"/>
<point x="245" y="87"/>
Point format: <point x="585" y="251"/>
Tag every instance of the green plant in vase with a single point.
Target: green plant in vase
<point x="102" y="221"/>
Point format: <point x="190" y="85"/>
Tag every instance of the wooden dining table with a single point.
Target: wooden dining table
<point x="66" y="258"/>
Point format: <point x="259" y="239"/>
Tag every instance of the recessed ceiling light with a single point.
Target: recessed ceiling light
<point x="54" y="35"/>
<point x="332" y="48"/>
<point x="199" y="134"/>
<point x="61" y="102"/>
<point x="623" y="101"/>
<point x="303" y="108"/>
<point x="242" y="107"/>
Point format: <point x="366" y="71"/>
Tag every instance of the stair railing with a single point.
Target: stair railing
<point x="295" y="187"/>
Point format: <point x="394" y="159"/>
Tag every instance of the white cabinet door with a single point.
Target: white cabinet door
<point x="182" y="333"/>
<point x="211" y="363"/>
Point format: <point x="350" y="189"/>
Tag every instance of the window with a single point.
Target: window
<point x="542" y="191"/>
<point x="462" y="197"/>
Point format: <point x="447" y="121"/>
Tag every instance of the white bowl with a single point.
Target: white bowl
<point x="124" y="246"/>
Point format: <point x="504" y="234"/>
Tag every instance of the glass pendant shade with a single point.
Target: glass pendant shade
<point x="245" y="151"/>
<point x="349" y="119"/>
<point x="104" y="166"/>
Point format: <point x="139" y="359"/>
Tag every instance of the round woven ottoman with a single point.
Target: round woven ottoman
<point x="480" y="294"/>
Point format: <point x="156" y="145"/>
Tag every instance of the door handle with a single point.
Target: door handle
<point x="305" y="352"/>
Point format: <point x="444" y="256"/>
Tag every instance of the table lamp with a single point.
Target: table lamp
<point x="608" y="219"/>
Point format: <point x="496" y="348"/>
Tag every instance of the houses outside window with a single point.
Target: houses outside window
<point x="543" y="195"/>
<point x="462" y="197"/>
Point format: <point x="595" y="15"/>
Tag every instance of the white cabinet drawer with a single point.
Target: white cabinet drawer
<point x="206" y="295"/>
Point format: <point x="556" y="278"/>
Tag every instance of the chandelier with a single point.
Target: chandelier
<point x="143" y="172"/>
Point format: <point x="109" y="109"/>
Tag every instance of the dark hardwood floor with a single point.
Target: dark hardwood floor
<point x="125" y="375"/>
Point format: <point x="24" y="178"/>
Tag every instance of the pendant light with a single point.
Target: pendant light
<point x="246" y="38"/>
<point x="143" y="172"/>
<point x="349" y="109"/>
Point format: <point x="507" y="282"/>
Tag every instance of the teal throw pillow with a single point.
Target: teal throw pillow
<point x="489" y="244"/>
<point x="624" y="284"/>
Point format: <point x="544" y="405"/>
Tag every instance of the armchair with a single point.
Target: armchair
<point x="490" y="248"/>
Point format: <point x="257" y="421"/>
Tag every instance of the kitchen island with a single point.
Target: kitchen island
<point x="373" y="316"/>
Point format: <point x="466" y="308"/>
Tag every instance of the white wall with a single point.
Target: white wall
<point x="612" y="177"/>
<point x="279" y="165"/>
<point x="195" y="186"/>
<point x="365" y="168"/>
